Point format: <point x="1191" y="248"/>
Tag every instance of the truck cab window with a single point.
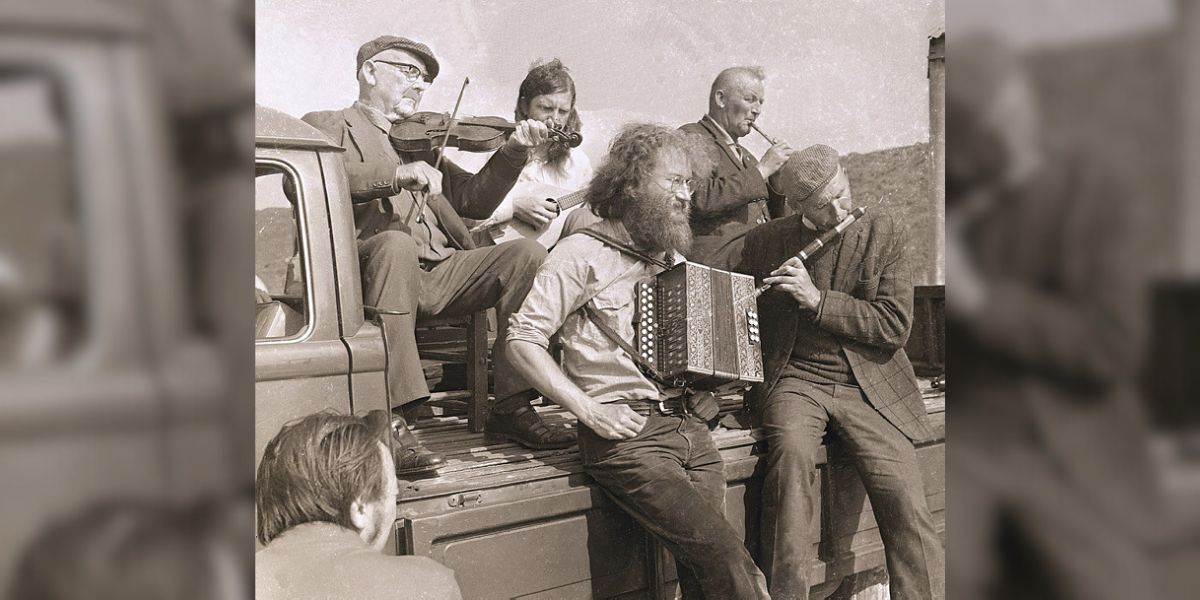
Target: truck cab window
<point x="41" y="248"/>
<point x="280" y="290"/>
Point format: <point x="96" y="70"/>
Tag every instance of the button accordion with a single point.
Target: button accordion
<point x="698" y="325"/>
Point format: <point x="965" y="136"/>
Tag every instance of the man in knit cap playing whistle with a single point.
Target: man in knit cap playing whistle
<point x="833" y="348"/>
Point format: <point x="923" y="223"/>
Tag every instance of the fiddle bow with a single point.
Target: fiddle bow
<point x="442" y="149"/>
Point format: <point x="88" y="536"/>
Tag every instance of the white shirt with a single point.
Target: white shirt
<point x="572" y="174"/>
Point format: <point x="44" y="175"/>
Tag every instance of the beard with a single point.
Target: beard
<point x="659" y="223"/>
<point x="556" y="153"/>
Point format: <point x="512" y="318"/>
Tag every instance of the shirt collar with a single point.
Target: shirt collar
<point x="616" y="229"/>
<point x="374" y="115"/>
<point x="729" y="141"/>
<point x="317" y="532"/>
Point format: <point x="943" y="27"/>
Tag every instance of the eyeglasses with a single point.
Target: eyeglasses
<point x="679" y="183"/>
<point x="410" y="71"/>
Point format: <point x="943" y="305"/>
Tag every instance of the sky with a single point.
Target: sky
<point x="848" y="73"/>
<point x="1060" y="23"/>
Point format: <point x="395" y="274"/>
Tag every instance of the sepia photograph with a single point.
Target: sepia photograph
<point x="642" y="300"/>
<point x="599" y="299"/>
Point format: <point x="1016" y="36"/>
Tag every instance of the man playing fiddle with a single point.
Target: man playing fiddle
<point x="417" y="258"/>
<point x="736" y="195"/>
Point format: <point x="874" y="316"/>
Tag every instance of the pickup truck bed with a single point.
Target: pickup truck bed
<point x="519" y="523"/>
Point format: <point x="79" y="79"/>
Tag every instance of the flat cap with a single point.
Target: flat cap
<point x="807" y="170"/>
<point x="387" y="42"/>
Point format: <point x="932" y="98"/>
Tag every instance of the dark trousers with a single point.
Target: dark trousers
<point x="671" y="480"/>
<point x="1014" y="507"/>
<point x="795" y="417"/>
<point x="466" y="282"/>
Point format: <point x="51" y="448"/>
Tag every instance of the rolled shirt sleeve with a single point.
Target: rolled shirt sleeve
<point x="579" y="270"/>
<point x="559" y="289"/>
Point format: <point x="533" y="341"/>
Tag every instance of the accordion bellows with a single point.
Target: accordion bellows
<point x="699" y="326"/>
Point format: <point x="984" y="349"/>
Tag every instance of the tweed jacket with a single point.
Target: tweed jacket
<point x="371" y="166"/>
<point x="731" y="200"/>
<point x="868" y="308"/>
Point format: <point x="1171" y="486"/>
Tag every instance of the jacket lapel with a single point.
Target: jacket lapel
<point x="711" y="128"/>
<point x="353" y="119"/>
<point x="792" y="245"/>
<point x="849" y="256"/>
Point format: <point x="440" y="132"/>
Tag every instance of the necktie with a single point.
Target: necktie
<point x="743" y="155"/>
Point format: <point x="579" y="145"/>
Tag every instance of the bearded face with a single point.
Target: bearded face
<point x="555" y="110"/>
<point x="657" y="216"/>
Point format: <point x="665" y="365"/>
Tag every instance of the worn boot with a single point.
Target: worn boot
<point x="412" y="458"/>
<point x="525" y="427"/>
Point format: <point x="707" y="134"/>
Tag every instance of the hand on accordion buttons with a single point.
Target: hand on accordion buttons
<point x="792" y="279"/>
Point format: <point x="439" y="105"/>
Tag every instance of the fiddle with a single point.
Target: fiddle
<point x="426" y="131"/>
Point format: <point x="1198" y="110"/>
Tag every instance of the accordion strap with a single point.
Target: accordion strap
<point x="626" y="248"/>
<point x="647" y="369"/>
<point x="644" y="366"/>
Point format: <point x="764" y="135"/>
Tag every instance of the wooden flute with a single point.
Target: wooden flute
<point x="825" y="239"/>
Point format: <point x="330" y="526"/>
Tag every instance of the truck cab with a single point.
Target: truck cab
<point x="314" y="349"/>
<point x="107" y="388"/>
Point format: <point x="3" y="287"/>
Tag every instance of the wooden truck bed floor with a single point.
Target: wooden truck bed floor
<point x="514" y="522"/>
<point x="474" y="464"/>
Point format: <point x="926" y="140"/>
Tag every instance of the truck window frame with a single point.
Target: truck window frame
<point x="302" y="248"/>
<point x="62" y="109"/>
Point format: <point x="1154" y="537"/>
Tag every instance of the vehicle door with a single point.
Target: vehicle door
<point x="301" y="363"/>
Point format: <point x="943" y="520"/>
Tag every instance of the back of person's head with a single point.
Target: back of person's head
<point x="119" y="549"/>
<point x="314" y="470"/>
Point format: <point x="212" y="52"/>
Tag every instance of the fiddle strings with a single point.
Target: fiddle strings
<point x="442" y="150"/>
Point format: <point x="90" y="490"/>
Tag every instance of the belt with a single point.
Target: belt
<point x="671" y="407"/>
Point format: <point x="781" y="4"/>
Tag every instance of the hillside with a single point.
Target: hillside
<point x="901" y="177"/>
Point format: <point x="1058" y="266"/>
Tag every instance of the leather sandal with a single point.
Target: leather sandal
<point x="526" y="427"/>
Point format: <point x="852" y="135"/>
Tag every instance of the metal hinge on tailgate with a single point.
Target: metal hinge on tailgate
<point x="465" y="500"/>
